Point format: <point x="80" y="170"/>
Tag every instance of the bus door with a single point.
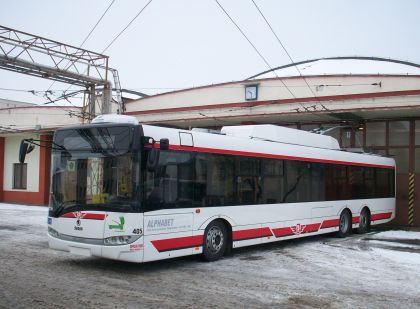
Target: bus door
<point x="168" y="216"/>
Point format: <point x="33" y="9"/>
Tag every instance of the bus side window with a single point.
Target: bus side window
<point x="170" y="184"/>
<point x="273" y="181"/>
<point x="220" y="186"/>
<point x="247" y="175"/>
<point x="200" y="183"/>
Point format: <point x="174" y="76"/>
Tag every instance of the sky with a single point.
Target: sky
<point x="187" y="43"/>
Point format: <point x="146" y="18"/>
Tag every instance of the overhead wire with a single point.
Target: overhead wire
<point x="90" y="33"/>
<point x="253" y="46"/>
<point x="66" y="96"/>
<point x="125" y="28"/>
<point x="285" y="50"/>
<point x="120" y="33"/>
<point x="306" y="109"/>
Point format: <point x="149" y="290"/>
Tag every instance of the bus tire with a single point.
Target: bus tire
<point x="215" y="241"/>
<point x="345" y="224"/>
<point x="364" y="221"/>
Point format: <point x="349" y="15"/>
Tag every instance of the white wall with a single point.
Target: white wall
<point x="274" y="89"/>
<point x="11" y="155"/>
<point x="196" y="102"/>
<point x="27" y="118"/>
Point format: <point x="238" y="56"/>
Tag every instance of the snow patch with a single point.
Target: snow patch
<point x="5" y="206"/>
<point x="398" y="235"/>
<point x="410" y="258"/>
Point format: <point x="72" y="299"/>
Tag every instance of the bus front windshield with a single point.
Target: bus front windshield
<point x="94" y="169"/>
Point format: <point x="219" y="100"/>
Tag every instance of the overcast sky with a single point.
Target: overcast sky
<point x="185" y="43"/>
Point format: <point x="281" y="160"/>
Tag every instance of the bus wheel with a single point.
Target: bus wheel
<point x="364" y="222"/>
<point x="215" y="240"/>
<point x="344" y="228"/>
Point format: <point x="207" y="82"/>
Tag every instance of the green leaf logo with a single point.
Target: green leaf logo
<point x="118" y="225"/>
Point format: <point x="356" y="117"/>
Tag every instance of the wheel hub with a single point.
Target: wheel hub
<point x="214" y="240"/>
<point x="343" y="223"/>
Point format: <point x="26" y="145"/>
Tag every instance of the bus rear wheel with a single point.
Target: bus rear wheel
<point x="344" y="227"/>
<point x="364" y="222"/>
<point x="215" y="241"/>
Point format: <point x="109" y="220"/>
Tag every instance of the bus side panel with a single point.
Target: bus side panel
<point x="169" y="235"/>
<point x="267" y="223"/>
<point x="382" y="210"/>
<point x="248" y="235"/>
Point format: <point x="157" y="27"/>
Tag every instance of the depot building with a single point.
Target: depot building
<point x="379" y="113"/>
<point x="29" y="182"/>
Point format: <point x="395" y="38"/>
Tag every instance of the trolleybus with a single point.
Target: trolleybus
<point x="138" y="193"/>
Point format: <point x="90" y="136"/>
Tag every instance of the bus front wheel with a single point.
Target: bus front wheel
<point x="345" y="224"/>
<point x="215" y="241"/>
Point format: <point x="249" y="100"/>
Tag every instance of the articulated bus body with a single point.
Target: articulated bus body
<point x="143" y="193"/>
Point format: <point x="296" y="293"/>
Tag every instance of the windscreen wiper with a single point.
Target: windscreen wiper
<point x="60" y="207"/>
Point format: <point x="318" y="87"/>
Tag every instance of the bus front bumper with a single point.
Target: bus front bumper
<point x="131" y="252"/>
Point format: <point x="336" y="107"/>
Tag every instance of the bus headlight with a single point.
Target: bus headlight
<point x="120" y="240"/>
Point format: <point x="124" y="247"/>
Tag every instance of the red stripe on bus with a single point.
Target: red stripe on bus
<point x="296" y="230"/>
<point x="162" y="245"/>
<point x="84" y="215"/>
<point x="330" y="223"/>
<point x="251" y="233"/>
<point x="269" y="156"/>
<point x="283" y="231"/>
<point x="381" y="216"/>
<point x="194" y="241"/>
<point x="312" y="228"/>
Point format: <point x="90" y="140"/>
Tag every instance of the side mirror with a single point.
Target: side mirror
<point x="164" y="144"/>
<point x="23" y="150"/>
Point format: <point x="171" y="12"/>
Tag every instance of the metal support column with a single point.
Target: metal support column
<point x="92" y="103"/>
<point x="411" y="173"/>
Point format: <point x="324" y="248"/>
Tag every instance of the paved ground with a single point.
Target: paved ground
<point x="372" y="271"/>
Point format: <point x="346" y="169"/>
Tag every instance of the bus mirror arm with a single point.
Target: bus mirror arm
<point x="28" y="145"/>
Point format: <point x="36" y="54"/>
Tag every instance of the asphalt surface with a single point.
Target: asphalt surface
<point x="316" y="272"/>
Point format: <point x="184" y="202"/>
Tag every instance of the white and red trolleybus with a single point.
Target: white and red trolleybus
<point x="139" y="193"/>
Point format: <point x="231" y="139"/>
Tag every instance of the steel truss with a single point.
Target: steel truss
<point x="33" y="55"/>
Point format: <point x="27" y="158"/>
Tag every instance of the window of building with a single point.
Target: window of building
<point x="399" y="133"/>
<point x="401" y="159"/>
<point x="19" y="175"/>
<point x="347" y="137"/>
<point x="375" y="133"/>
<point x="417" y="132"/>
<point x="417" y="160"/>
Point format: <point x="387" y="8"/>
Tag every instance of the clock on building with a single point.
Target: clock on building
<point x="251" y="92"/>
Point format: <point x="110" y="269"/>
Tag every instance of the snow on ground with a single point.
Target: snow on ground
<point x="398" y="234"/>
<point x="18" y="207"/>
<point x="399" y="257"/>
<point x="17" y="214"/>
<point x="402" y="247"/>
<point x="374" y="270"/>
